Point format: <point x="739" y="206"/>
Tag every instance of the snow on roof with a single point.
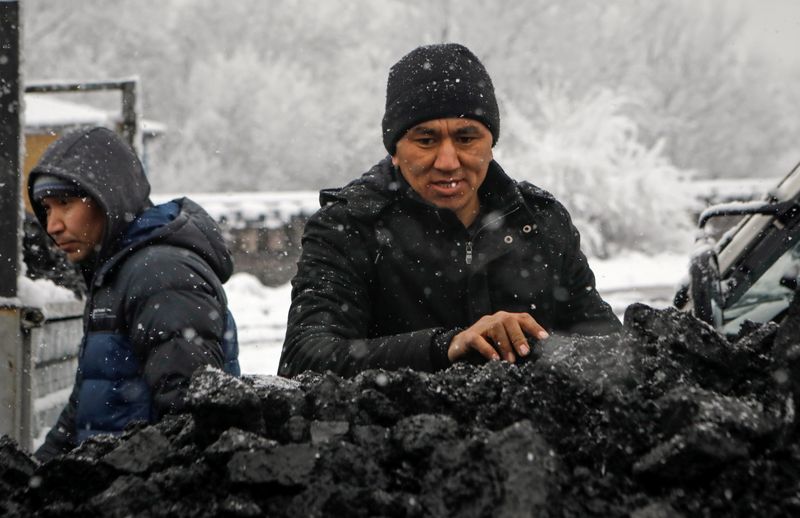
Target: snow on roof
<point x="247" y="209"/>
<point x="46" y="112"/>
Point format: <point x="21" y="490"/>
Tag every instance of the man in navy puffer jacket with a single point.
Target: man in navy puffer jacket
<point x="156" y="309"/>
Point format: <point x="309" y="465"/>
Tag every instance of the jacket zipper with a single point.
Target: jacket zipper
<point x="469" y="242"/>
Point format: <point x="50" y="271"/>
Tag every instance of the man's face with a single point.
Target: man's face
<point x="445" y="162"/>
<point x="75" y="224"/>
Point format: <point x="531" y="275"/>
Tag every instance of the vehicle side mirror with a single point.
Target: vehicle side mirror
<point x="789" y="282"/>
<point x="705" y="289"/>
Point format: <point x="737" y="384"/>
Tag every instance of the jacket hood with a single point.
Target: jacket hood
<point x="99" y="162"/>
<point x="181" y="223"/>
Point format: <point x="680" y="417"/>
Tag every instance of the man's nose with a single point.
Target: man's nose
<point x="55" y="223"/>
<point x="446" y="156"/>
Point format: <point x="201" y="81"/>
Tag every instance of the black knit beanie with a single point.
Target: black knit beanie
<point x="435" y="82"/>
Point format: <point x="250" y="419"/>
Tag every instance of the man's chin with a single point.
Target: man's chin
<point x="454" y="204"/>
<point x="80" y="257"/>
<point x="76" y="258"/>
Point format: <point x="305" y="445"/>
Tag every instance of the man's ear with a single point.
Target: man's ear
<point x="394" y="160"/>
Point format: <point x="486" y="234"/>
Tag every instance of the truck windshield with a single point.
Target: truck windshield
<point x="770" y="294"/>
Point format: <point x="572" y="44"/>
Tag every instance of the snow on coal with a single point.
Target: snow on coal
<point x="667" y="418"/>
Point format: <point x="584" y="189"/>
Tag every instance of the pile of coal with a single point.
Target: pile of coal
<point x="665" y="419"/>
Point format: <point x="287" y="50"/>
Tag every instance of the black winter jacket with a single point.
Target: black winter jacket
<point x="386" y="280"/>
<point x="156" y="309"/>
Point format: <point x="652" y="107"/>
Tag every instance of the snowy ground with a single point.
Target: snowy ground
<point x="261" y="311"/>
<point x="260" y="314"/>
<point x="636" y="277"/>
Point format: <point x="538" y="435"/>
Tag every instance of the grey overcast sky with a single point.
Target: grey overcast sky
<point x="773" y="27"/>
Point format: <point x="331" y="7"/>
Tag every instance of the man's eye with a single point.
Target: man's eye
<point x="466" y="140"/>
<point x="426" y="141"/>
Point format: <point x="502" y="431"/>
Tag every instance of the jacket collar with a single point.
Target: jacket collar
<point x="499" y="191"/>
<point x="366" y="197"/>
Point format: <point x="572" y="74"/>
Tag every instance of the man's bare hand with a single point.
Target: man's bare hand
<point x="501" y="335"/>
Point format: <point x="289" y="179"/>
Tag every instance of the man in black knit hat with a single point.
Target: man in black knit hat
<point x="435" y="255"/>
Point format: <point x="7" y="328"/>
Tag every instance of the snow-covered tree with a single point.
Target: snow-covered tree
<point x="623" y="193"/>
<point x="289" y="94"/>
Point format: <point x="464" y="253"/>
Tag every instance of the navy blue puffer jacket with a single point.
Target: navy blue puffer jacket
<point x="156" y="309"/>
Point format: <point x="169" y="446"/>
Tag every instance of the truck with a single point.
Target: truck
<point x="751" y="272"/>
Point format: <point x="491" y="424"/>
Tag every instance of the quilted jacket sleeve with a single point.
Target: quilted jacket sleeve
<point x="175" y="320"/>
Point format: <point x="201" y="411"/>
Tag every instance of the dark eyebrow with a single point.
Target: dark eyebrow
<point x="467" y="130"/>
<point x="426" y="130"/>
<point x="423" y="130"/>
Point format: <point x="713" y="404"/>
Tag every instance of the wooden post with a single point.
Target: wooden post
<point x="10" y="149"/>
<point x="130" y="111"/>
<point x="14" y="358"/>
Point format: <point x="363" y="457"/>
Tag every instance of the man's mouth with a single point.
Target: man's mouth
<point x="68" y="246"/>
<point x="449" y="187"/>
